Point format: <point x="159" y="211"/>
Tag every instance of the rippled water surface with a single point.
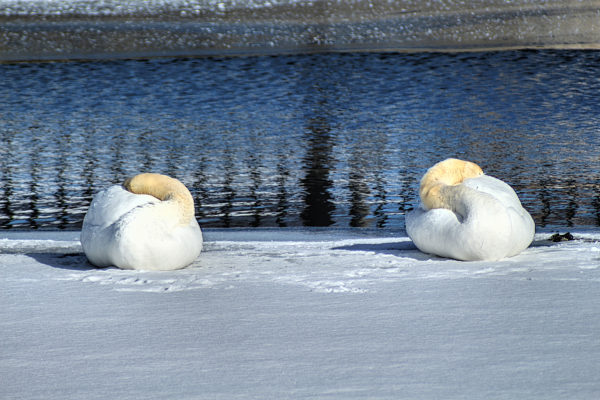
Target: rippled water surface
<point x="305" y="140"/>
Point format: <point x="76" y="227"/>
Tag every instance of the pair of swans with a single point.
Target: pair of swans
<point x="148" y="222"/>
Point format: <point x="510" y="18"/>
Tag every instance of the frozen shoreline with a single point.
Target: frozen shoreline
<point x="322" y="260"/>
<point x="63" y="30"/>
<point x="300" y="314"/>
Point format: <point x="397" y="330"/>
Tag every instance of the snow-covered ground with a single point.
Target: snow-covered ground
<point x="276" y="314"/>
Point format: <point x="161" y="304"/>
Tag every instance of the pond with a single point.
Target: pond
<point x="331" y="139"/>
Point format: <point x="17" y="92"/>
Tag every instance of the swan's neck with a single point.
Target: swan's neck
<point x="166" y="189"/>
<point x="439" y="186"/>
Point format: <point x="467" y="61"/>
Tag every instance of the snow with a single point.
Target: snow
<point x="294" y="313"/>
<point x="117" y="7"/>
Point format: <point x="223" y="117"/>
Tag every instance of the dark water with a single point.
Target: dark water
<point x="305" y="140"/>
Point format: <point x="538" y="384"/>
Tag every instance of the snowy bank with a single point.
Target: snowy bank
<point x="90" y="29"/>
<point x="300" y="314"/>
<point x="331" y="261"/>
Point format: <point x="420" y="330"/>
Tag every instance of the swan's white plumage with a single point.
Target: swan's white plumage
<point x="482" y="220"/>
<point x="139" y="231"/>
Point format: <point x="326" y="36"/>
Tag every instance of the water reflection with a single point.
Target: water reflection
<point x="282" y="194"/>
<point x="318" y="204"/>
<point x="316" y="140"/>
<point x="228" y="189"/>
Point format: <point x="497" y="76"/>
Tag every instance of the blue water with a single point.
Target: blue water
<point x="301" y="140"/>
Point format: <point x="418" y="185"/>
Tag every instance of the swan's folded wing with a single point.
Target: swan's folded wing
<point x="496" y="188"/>
<point x="522" y="227"/>
<point x="99" y="227"/>
<point x="110" y="204"/>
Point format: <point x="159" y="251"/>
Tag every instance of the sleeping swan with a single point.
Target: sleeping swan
<point x="467" y="215"/>
<point x="148" y="223"/>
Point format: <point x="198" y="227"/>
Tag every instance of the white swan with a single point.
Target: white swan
<point x="148" y="223"/>
<point x="467" y="215"/>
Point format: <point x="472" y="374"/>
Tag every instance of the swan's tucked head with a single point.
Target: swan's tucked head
<point x="449" y="172"/>
<point x="164" y="188"/>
